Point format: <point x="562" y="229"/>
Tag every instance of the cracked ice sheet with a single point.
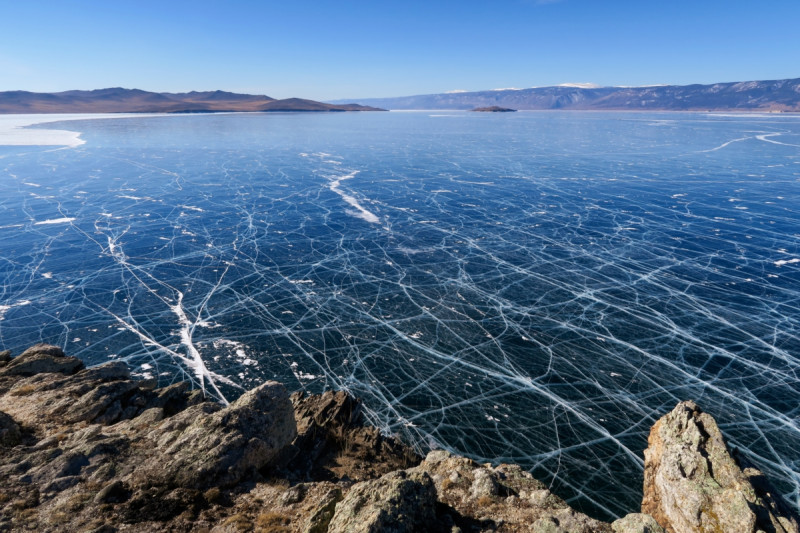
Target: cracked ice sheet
<point x="537" y="289"/>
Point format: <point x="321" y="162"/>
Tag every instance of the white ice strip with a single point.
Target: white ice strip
<point x="360" y="211"/>
<point x="64" y="220"/>
<point x="765" y="139"/>
<point x="787" y="261"/>
<point x="196" y="363"/>
<point x="723" y="145"/>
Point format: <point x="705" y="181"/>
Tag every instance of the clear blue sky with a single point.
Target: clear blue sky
<point x="355" y="49"/>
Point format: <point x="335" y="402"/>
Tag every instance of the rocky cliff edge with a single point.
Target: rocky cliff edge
<point x="90" y="449"/>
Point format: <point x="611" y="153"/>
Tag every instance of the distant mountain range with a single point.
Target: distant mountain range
<point x="771" y="96"/>
<point x="118" y="100"/>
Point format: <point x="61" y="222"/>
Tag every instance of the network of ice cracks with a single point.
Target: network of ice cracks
<point x="540" y="295"/>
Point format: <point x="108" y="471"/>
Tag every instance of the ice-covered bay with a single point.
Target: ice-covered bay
<point x="536" y="288"/>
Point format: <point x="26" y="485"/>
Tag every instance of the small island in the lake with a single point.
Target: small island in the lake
<point x="494" y="109"/>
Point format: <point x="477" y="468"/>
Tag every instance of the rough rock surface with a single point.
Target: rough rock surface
<point x="333" y="442"/>
<point x="500" y="498"/>
<point x="636" y="523"/>
<point x="205" y="446"/>
<point x="9" y="431"/>
<point x="396" y="503"/>
<point x="94" y="450"/>
<point x="692" y="484"/>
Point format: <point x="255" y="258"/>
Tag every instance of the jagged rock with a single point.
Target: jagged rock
<point x="692" y="484"/>
<point x="92" y="449"/>
<point x="320" y="517"/>
<point x="41" y="358"/>
<point x="636" y="523"/>
<point x="10" y="434"/>
<point x="330" y="409"/>
<point x="504" y="497"/>
<point x="396" y="503"/>
<point x="334" y="443"/>
<point x="294" y="494"/>
<point x="204" y="447"/>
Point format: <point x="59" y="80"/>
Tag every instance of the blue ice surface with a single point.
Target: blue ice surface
<point x="536" y="287"/>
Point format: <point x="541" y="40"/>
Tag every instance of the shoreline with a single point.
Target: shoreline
<point x="15" y="131"/>
<point x="91" y="449"/>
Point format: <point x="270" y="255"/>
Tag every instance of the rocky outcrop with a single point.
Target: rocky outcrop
<point x="38" y="359"/>
<point x="208" y="446"/>
<point x="500" y="498"/>
<point x="333" y="442"/>
<point x="636" y="523"/>
<point x="693" y="484"/>
<point x="94" y="450"/>
<point x="398" y="502"/>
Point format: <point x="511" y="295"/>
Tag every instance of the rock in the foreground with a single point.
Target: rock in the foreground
<point x="396" y="503"/>
<point x="94" y="450"/>
<point x="691" y="482"/>
<point x="201" y="449"/>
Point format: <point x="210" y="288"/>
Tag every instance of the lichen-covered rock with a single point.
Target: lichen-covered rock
<point x="483" y="484"/>
<point x="500" y="498"/>
<point x="567" y="520"/>
<point x="102" y="394"/>
<point x="692" y="484"/>
<point x="636" y="523"/>
<point x="396" y="503"/>
<point x="41" y="358"/>
<point x="320" y="518"/>
<point x="94" y="450"/>
<point x="204" y="446"/>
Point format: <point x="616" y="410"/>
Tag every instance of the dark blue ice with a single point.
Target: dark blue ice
<point x="536" y="288"/>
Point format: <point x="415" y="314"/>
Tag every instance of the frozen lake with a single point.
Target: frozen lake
<point x="535" y="287"/>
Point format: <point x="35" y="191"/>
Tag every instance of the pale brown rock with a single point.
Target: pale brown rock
<point x="320" y="517"/>
<point x="636" y="523"/>
<point x="205" y="446"/>
<point x="41" y="358"/>
<point x="500" y="498"/>
<point x="693" y="485"/>
<point x="396" y="503"/>
<point x="93" y="450"/>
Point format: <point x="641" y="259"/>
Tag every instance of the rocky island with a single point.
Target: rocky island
<point x="494" y="109"/>
<point x="90" y="449"/>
